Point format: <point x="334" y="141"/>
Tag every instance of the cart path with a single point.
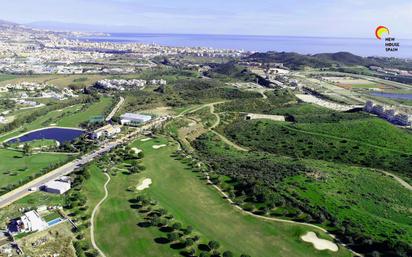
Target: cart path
<point x="106" y="194"/>
<point x="226" y="196"/>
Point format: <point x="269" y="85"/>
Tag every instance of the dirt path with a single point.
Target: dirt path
<point x="94" y="214"/>
<point x="398" y="179"/>
<point x="115" y="109"/>
<point x="222" y="137"/>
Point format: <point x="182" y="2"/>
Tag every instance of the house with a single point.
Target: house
<point x="403" y="119"/>
<point x="134" y="119"/>
<point x="107" y="131"/>
<point x="57" y="187"/>
<point x="31" y="222"/>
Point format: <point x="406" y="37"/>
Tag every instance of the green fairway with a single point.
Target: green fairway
<point x="116" y="230"/>
<point x="194" y="203"/>
<point x="16" y="168"/>
<point x="96" y="109"/>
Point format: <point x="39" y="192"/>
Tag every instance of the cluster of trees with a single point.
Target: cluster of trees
<point x="81" y="144"/>
<point x="76" y="205"/>
<point x="76" y="201"/>
<point x="179" y="237"/>
<point x="231" y="71"/>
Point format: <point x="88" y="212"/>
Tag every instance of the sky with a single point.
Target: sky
<point x="318" y="18"/>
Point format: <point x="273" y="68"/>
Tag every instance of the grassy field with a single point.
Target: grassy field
<point x="61" y="81"/>
<point x="192" y="202"/>
<point x="116" y="227"/>
<point x="371" y="130"/>
<point x="84" y="115"/>
<point x="5" y="77"/>
<point x="15" y="167"/>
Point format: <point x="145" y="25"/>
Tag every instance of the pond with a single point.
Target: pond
<point x="393" y="95"/>
<point x="62" y="135"/>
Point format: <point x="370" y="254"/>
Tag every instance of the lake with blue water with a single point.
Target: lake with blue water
<point x="393" y="95"/>
<point x="302" y="45"/>
<point x="62" y="135"/>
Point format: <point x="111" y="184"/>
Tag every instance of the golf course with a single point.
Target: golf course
<point x="193" y="203"/>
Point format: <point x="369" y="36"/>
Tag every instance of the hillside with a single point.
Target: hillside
<point x="327" y="60"/>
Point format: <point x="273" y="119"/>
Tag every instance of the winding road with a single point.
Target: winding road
<point x="96" y="208"/>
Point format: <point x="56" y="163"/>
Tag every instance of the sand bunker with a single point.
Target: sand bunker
<point x="145" y="139"/>
<point x="158" y="146"/>
<point x="318" y="243"/>
<point x="136" y="150"/>
<point x="53" y="124"/>
<point x="144" y="185"/>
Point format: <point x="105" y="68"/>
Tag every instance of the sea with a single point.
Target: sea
<point x="303" y="45"/>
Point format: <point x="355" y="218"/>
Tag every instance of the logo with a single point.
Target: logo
<point x="380" y="31"/>
<point x="391" y="44"/>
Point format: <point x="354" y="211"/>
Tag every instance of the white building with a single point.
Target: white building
<point x="31" y="222"/>
<point x="132" y="118"/>
<point x="57" y="187"/>
<point x="389" y="113"/>
<point x="107" y="131"/>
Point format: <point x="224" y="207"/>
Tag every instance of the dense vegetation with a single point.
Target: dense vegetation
<point x="327" y="60"/>
<point x="347" y="200"/>
<point x="232" y="72"/>
<point x="288" y="140"/>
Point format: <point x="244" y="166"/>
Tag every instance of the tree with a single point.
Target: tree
<point x="213" y="245"/>
<point x="27" y="150"/>
<point x="172" y="237"/>
<point x="188" y="230"/>
<point x="228" y="254"/>
<point x="177" y="226"/>
<point x="189" y="242"/>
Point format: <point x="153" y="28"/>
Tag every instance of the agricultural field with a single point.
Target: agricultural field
<point x="353" y="83"/>
<point x="191" y="201"/>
